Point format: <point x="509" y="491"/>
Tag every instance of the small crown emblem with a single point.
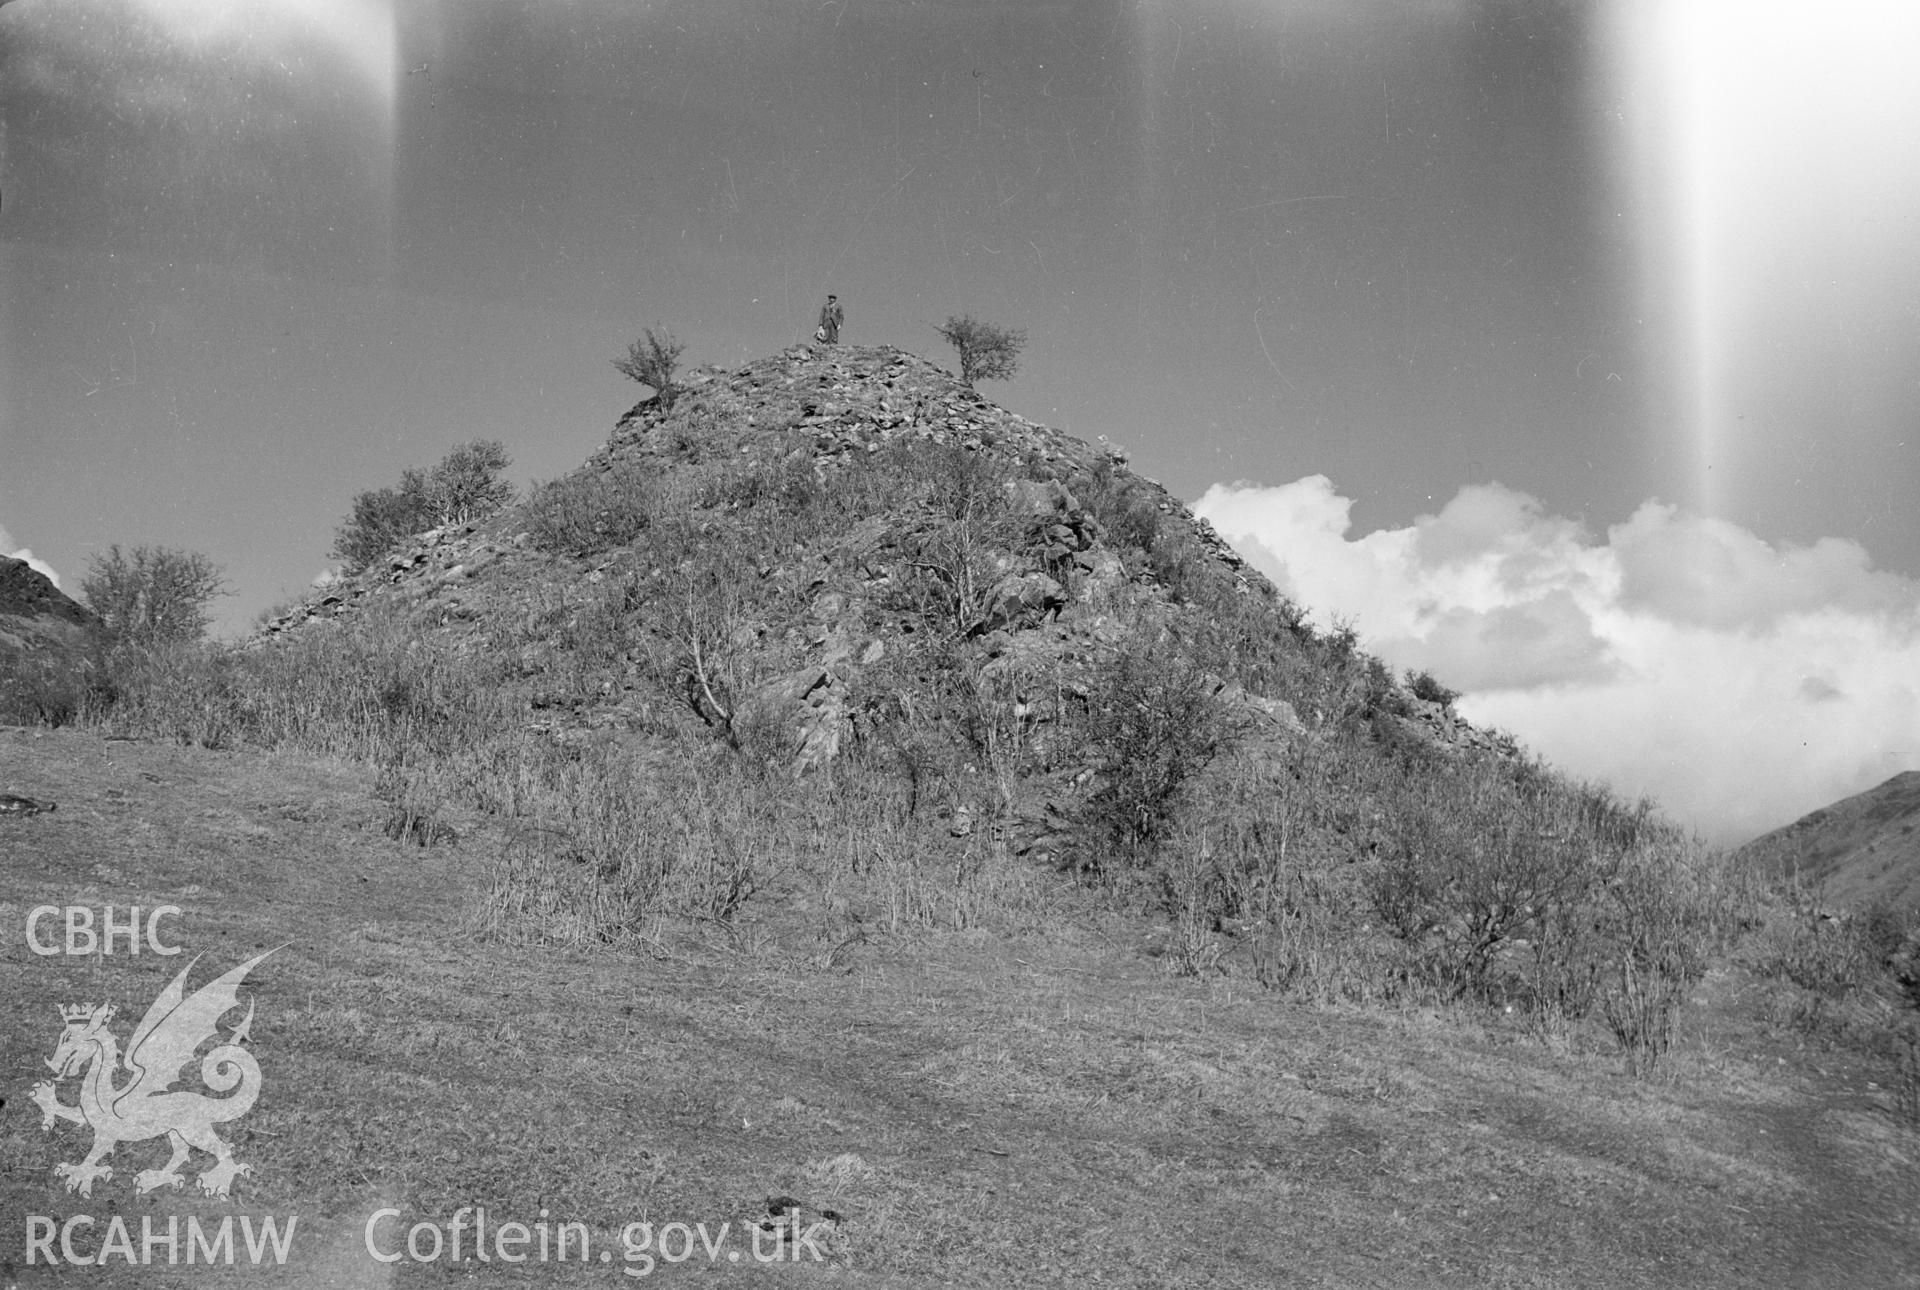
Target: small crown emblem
<point x="76" y="1012"/>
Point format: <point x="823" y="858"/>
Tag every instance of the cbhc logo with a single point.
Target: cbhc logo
<point x="81" y="937"/>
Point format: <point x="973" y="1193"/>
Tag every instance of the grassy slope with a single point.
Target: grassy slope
<point x="983" y="1108"/>
<point x="1853" y="852"/>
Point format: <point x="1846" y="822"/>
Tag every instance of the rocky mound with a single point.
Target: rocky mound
<point x="1859" y="851"/>
<point x="827" y="403"/>
<point x="795" y="552"/>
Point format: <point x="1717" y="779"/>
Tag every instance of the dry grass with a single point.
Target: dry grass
<point x="1033" y="1102"/>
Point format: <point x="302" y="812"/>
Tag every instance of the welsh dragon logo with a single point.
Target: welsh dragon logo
<point x="175" y="1026"/>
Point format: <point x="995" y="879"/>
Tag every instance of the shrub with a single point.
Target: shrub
<point x="1657" y="957"/>
<point x="1470" y="866"/>
<point x="1246" y="637"/>
<point x="42" y="689"/>
<point x="1125" y="514"/>
<point x="961" y="548"/>
<point x="987" y="353"/>
<point x="466" y="485"/>
<point x="1425" y="687"/>
<point x="152" y="595"/>
<point x="1149" y="541"/>
<point x="950" y="567"/>
<point x="1334" y="683"/>
<point x="1838" y="958"/>
<point x="1154" y="724"/>
<point x="381" y="519"/>
<point x="653" y="361"/>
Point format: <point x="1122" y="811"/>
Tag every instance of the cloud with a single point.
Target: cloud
<point x="1717" y="574"/>
<point x="8" y="549"/>
<point x="1738" y="682"/>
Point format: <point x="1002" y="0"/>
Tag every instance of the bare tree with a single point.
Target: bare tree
<point x="467" y="484"/>
<point x="653" y="361"/>
<point x="987" y="353"/>
<point x="152" y="595"/>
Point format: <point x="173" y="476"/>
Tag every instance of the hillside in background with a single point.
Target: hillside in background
<point x="46" y="641"/>
<point x="1854" y="853"/>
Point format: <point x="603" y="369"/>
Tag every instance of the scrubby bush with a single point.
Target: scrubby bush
<point x="987" y="352"/>
<point x="1504" y="882"/>
<point x="1338" y="681"/>
<point x="652" y="361"/>
<point x="1126" y="514"/>
<point x="365" y="690"/>
<point x="152" y="595"/>
<point x="1134" y="519"/>
<point x="1152" y="723"/>
<point x="1425" y="687"/>
<point x="1850" y="969"/>
<point x="1657" y="950"/>
<point x="183" y="691"/>
<point x="962" y="541"/>
<point x="381" y="519"/>
<point x="1470" y="866"/>
<point x="44" y="690"/>
<point x="587" y="513"/>
<point x="467" y="484"/>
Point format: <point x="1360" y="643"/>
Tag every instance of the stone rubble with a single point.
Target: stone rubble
<point x="830" y="405"/>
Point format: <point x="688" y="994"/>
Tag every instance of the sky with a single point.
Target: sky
<point x="1568" y="350"/>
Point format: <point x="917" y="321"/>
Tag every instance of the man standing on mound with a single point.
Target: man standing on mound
<point x="831" y="316"/>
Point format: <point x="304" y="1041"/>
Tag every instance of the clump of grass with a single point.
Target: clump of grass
<point x="1907" y="1088"/>
<point x="417" y="797"/>
<point x="45" y="689"/>
<point x="600" y="847"/>
<point x="587" y="513"/>
<point x="368" y="690"/>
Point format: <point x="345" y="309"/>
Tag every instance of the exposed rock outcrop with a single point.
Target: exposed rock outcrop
<point x="1047" y="594"/>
